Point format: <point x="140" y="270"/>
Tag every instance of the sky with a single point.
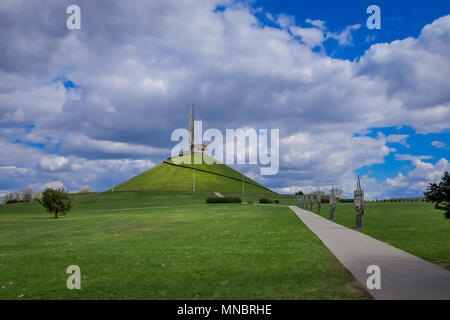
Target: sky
<point x="93" y="107"/>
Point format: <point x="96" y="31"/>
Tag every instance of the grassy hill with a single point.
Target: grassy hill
<point x="177" y="175"/>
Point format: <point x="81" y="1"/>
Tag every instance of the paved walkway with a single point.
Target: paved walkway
<point x="218" y="194"/>
<point x="403" y="275"/>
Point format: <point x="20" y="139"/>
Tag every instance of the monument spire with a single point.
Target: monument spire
<point x="194" y="147"/>
<point x="191" y="128"/>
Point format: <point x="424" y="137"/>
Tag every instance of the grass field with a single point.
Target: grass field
<point x="157" y="245"/>
<point x="415" y="227"/>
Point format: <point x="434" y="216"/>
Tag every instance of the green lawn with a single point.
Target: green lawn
<point x="415" y="227"/>
<point x="157" y="245"/>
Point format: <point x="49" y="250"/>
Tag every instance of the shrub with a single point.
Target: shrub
<point x="265" y="200"/>
<point x="11" y="201"/>
<point x="223" y="200"/>
<point x="346" y="200"/>
<point x="277" y="201"/>
<point x="213" y="200"/>
<point x="232" y="200"/>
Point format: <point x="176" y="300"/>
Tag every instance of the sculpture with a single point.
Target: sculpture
<point x="332" y="203"/>
<point x="318" y="202"/>
<point x="359" y="205"/>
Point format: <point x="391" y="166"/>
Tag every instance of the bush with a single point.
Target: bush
<point x="346" y="200"/>
<point x="277" y="201"/>
<point x="223" y="200"/>
<point x="265" y="200"/>
<point x="11" y="201"/>
<point x="213" y="200"/>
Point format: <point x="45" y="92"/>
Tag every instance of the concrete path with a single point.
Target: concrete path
<point x="403" y="275"/>
<point x="218" y="194"/>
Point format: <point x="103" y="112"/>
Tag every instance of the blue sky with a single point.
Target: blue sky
<point x="400" y="19"/>
<point x="93" y="107"/>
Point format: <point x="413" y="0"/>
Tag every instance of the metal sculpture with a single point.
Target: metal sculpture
<point x="332" y="203"/>
<point x="359" y="204"/>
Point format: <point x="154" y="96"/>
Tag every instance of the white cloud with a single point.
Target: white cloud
<point x="312" y="37"/>
<point x="438" y="144"/>
<point x="396" y="138"/>
<point x="417" y="179"/>
<point x="83" y="145"/>
<point x="53" y="163"/>
<point x="54" y="185"/>
<point x="317" y="23"/>
<point x="239" y="73"/>
<point x="325" y="159"/>
<point x="73" y="172"/>
<point x="285" y="21"/>
<point x="408" y="157"/>
<point x="345" y="37"/>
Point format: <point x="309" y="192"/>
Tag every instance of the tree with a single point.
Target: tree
<point x="56" y="201"/>
<point x="439" y="193"/>
<point x="12" y="197"/>
<point x="27" y="195"/>
<point x="299" y="193"/>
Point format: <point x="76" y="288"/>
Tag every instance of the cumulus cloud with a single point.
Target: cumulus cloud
<point x="438" y="144"/>
<point x="317" y="23"/>
<point x="54" y="185"/>
<point x="415" y="181"/>
<point x="54" y="163"/>
<point x="312" y="37"/>
<point x="238" y="71"/>
<point x="396" y="138"/>
<point x="344" y="37"/>
<point x="408" y="157"/>
<point x="85" y="146"/>
<point x="285" y="20"/>
<point x="34" y="169"/>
